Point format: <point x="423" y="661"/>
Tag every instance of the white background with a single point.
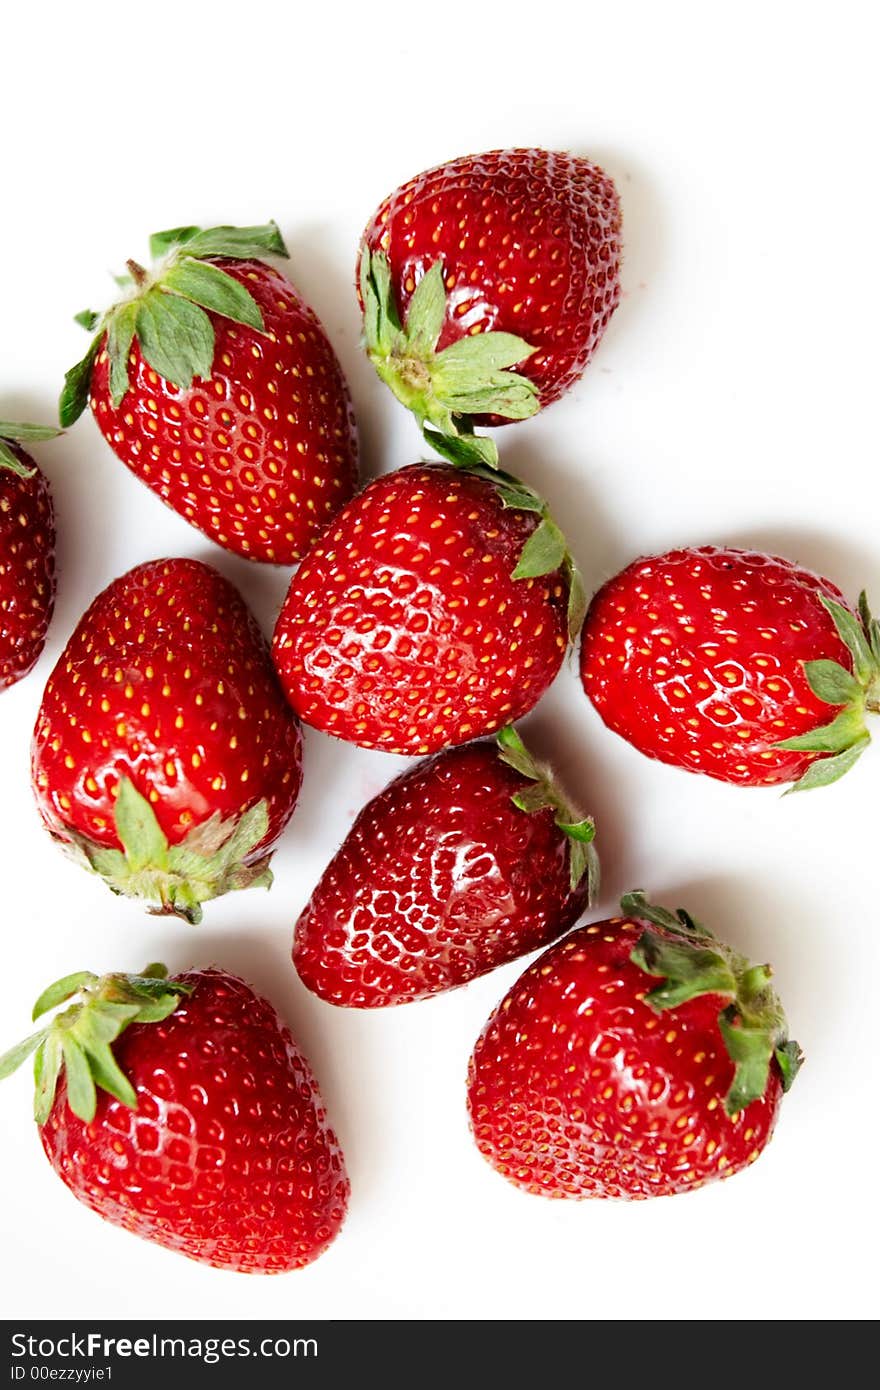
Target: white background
<point x="733" y="400"/>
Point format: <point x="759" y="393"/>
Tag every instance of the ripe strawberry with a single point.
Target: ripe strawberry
<point x="586" y="1083"/>
<point x="217" y="386"/>
<point x="464" y="862"/>
<point x="726" y="661"/>
<point x="431" y="612"/>
<point x="508" y="259"/>
<point x="164" y="755"/>
<point x="208" y="1134"/>
<point x="27" y="552"/>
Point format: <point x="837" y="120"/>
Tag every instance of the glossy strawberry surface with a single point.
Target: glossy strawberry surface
<point x="27" y="568"/>
<point x="440" y="879"/>
<point x="403" y="628"/>
<point x="229" y="1157"/>
<point x="577" y="1088"/>
<point x="530" y="245"/>
<point x="696" y="657"/>
<point x="260" y="455"/>
<point x="167" y="681"/>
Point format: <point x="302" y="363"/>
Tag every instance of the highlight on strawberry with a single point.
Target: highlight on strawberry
<point x="437" y="608"/>
<point x="464" y="862"/>
<point x="734" y="663"/>
<point x="638" y="1057"/>
<point x="182" y="1110"/>
<point x="27" y="551"/>
<point x="216" y="384"/>
<point x="165" y="758"/>
<point x="486" y="285"/>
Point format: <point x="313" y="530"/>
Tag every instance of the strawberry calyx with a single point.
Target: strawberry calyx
<point x="693" y="962"/>
<point x="546" y="549"/>
<point x="544" y="793"/>
<point x="844" y="739"/>
<point x="78" y="1041"/>
<point x="444" y="390"/>
<point x="12" y="434"/>
<point x="164" y="309"/>
<point x="175" y="879"/>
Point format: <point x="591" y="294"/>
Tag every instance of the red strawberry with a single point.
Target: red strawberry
<point x="208" y="1134"/>
<point x="216" y="384"/>
<point x="431" y="612"/>
<point x="165" y="756"/>
<point x="464" y="862"/>
<point x="490" y="262"/>
<point x="726" y="662"/>
<point x="586" y="1082"/>
<point x="27" y="552"/>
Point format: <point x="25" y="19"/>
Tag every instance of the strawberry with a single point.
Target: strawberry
<point x="493" y="261"/>
<point x="434" y="610"/>
<point x="468" y="860"/>
<point x="165" y="757"/>
<point x="183" y="1111"/>
<point x="27" y="552"/>
<point x="727" y="661"/>
<point x="593" y="1079"/>
<point x="217" y="386"/>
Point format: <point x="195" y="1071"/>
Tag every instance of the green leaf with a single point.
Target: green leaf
<point x="502" y="393"/>
<point x="427" y="310"/>
<point x="464" y="450"/>
<point x="465" y="365"/>
<point x="832" y="682"/>
<point x="689" y="970"/>
<point x="584" y="831"/>
<point x="120" y="333"/>
<point x="242" y="243"/>
<point x="577" y="600"/>
<point x="790" y="1060"/>
<point x="583" y="859"/>
<point x="77" y="384"/>
<point x="381" y="319"/>
<point x="844" y="731"/>
<point x="12" y="463"/>
<point x="94" y="1040"/>
<point x="12" y="1060"/>
<point x="155" y="1010"/>
<point x="544" y="551"/>
<point x="211" y="287"/>
<point x="140" y="832"/>
<point x="252" y="827"/>
<point x="163" y="242"/>
<point x="827" y="770"/>
<point x="750" y="1049"/>
<point x="27" y="434"/>
<point x="849" y="629"/>
<point x="81" y="1095"/>
<point x="47" y="1069"/>
<point x="514" y="753"/>
<point x="176" y="337"/>
<point x="636" y="905"/>
<point x="532" y="798"/>
<point x="60" y="991"/>
<point x="88" y="319"/>
<point x="871" y="627"/>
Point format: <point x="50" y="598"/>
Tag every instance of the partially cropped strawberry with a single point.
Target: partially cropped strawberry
<point x="733" y="663"/>
<point x="217" y="386"/>
<point x="638" y="1057"/>
<point x="183" y="1111"/>
<point x="466" y="861"/>
<point x="490" y="262"/>
<point x="27" y="552"/>
<point x="165" y="757"/>
<point x="435" y="609"/>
